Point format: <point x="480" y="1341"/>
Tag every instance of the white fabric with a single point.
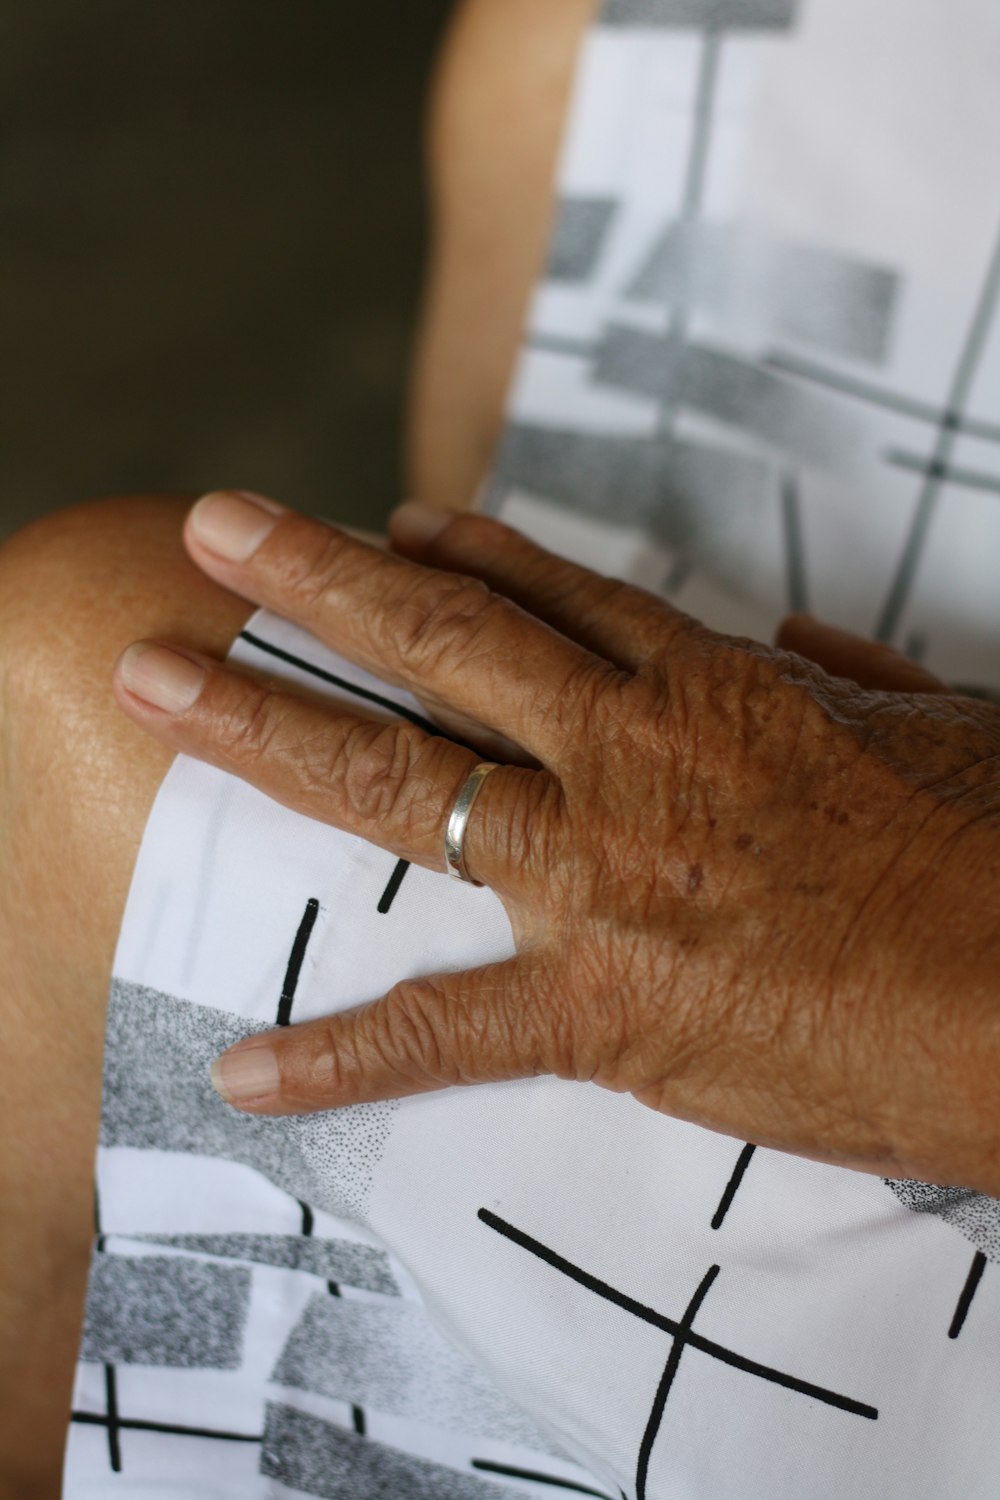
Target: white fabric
<point x="849" y="165"/>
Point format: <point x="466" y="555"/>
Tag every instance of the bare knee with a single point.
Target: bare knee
<point x="77" y="779"/>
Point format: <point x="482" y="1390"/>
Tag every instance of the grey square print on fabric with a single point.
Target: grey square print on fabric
<point x="713" y="15"/>
<point x="158" y="1096"/>
<point x="314" y="1456"/>
<point x="165" y="1310"/>
<point x="389" y="1356"/>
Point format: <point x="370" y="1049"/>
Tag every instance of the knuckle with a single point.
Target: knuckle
<point x="378" y="761"/>
<point x="245" y="732"/>
<point x="440" y="617"/>
<point x="324" y="1064"/>
<point x="304" y="570"/>
<point x="532" y="828"/>
<point x="405" y="1033"/>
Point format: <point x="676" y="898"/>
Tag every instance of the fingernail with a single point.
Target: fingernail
<point x="233" y="523"/>
<point x="162" y="677"/>
<point x="415" y="524"/>
<point x="247" y="1071"/>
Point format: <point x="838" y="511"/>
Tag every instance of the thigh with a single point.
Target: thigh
<point x="77" y="781"/>
<point x="497" y="116"/>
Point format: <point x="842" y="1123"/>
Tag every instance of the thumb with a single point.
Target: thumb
<point x="868" y="663"/>
<point x="425" y="1034"/>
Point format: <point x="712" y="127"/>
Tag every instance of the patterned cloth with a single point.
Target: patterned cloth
<point x="762" y="371"/>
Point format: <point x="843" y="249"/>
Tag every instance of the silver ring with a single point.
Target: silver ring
<point x="458" y="822"/>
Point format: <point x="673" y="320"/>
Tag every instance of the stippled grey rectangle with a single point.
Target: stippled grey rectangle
<point x="155" y="1310"/>
<point x="717" y="15"/>
<point x="314" y="1456"/>
<point x="814" y="296"/>
<point x="580" y="227"/>
<point x="798" y="421"/>
<point x="157" y="1095"/>
<point x="343" y="1261"/>
<point x="390" y="1357"/>
<point x="974" y="1214"/>
<point x="685" y="495"/>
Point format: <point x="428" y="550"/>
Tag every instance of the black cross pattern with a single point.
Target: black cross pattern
<point x="357" y="1412"/>
<point x="950" y="423"/>
<point x="683" y="1336"/>
<point x="116" y="1424"/>
<point x="947" y="436"/>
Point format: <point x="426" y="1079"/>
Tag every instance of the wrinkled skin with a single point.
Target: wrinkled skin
<point x="752" y="894"/>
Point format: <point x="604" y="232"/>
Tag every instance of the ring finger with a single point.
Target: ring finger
<point x="385" y="780"/>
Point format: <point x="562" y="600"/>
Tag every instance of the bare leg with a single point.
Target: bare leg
<point x="76" y="784"/>
<point x="77" y="779"/>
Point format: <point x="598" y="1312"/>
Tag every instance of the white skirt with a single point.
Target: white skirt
<point x="540" y="1287"/>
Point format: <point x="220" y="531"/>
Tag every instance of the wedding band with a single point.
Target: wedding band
<point x="459" y="820"/>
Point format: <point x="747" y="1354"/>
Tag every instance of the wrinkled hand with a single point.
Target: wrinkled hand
<point x="755" y="895"/>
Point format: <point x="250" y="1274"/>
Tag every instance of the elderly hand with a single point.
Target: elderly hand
<point x="754" y="895"/>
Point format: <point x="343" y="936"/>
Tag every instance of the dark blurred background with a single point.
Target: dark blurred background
<point x="211" y="243"/>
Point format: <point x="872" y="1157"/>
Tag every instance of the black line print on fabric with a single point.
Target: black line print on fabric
<point x="701" y="133"/>
<point x="110" y="1382"/>
<point x="927" y="503"/>
<point x="113" y="1420"/>
<point x="680" y="1332"/>
<point x="795" y="553"/>
<point x="877" y="396"/>
<point x="388" y="896"/>
<point x="968" y="1293"/>
<point x="130" y="1424"/>
<point x="733" y="1186"/>
<point x="343" y="684"/>
<point x="666" y="1381"/>
<point x="535" y="1476"/>
<point x="969" y="479"/>
<point x="295" y="958"/>
<point x="694" y="186"/>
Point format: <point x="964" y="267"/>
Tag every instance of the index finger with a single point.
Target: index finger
<point x="435" y="632"/>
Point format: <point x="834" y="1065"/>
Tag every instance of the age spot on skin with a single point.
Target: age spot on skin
<point x="743" y="842"/>
<point x="695" y="877"/>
